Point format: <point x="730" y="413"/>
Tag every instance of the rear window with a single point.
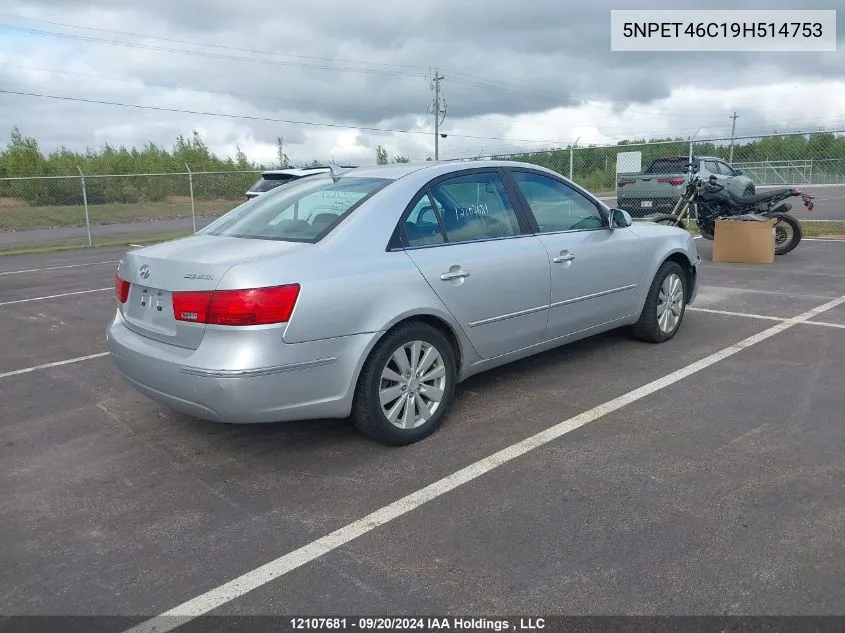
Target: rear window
<point x="268" y="183"/>
<point x="668" y="166"/>
<point x="304" y="211"/>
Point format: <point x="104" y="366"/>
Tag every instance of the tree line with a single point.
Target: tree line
<point x="593" y="167"/>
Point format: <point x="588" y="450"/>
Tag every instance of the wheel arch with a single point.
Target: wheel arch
<point x="461" y="347"/>
<point x="682" y="259"/>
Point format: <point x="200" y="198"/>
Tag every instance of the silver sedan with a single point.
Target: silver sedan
<point x="370" y="293"/>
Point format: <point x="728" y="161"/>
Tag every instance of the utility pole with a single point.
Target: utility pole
<point x="438" y="111"/>
<point x="734" y="116"/>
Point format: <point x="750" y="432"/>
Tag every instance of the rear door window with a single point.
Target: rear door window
<point x="475" y="207"/>
<point x="266" y="184"/>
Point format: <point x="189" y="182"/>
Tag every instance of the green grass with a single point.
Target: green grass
<point x="109" y="242"/>
<point x="23" y="218"/>
<point x="822" y="229"/>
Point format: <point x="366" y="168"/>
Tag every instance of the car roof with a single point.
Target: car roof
<point x="394" y="171"/>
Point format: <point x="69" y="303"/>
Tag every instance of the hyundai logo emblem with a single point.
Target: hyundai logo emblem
<point x="144" y="272"/>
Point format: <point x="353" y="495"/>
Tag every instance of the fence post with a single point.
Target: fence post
<point x="690" y="156"/>
<point x="571" y="155"/>
<point x="191" y="186"/>
<point x="85" y="202"/>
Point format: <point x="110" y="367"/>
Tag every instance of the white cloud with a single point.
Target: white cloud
<point x="510" y="74"/>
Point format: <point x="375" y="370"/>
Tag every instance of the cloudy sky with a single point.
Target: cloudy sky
<point x="518" y="75"/>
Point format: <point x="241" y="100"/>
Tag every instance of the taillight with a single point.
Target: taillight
<point x="675" y="182"/>
<point x="191" y="306"/>
<point x="622" y="183"/>
<point x="254" y="306"/>
<point x="121" y="288"/>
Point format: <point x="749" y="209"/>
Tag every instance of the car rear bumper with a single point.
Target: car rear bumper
<point x="634" y="206"/>
<point x="315" y="380"/>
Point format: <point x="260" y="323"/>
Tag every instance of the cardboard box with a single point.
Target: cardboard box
<point x="744" y="241"/>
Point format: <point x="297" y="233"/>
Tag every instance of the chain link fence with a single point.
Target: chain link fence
<point x="90" y="207"/>
<point x="649" y="176"/>
<point x="170" y="202"/>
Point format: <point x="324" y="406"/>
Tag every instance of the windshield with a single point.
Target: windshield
<point x="303" y="211"/>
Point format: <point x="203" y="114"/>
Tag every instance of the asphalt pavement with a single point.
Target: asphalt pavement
<point x="717" y="492"/>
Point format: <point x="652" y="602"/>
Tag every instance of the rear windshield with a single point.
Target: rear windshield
<point x="668" y="166"/>
<point x="267" y="183"/>
<point x="303" y="211"/>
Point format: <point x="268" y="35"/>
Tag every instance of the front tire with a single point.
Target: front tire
<point x="665" y="305"/>
<point x="406" y="387"/>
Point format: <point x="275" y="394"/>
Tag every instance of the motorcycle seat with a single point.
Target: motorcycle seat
<point x="758" y="197"/>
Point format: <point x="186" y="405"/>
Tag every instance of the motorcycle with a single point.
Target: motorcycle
<point x="709" y="201"/>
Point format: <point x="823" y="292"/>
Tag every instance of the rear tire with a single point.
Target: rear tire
<point x="401" y="390"/>
<point x="794" y="225"/>
<point x="665" y="305"/>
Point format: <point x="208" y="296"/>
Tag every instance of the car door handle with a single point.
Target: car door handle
<point x="563" y="257"/>
<point x="455" y="274"/>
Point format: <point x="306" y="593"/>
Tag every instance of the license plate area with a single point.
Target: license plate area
<point x="152" y="308"/>
<point x="645" y="204"/>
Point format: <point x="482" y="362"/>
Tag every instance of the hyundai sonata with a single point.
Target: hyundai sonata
<point x="371" y="292"/>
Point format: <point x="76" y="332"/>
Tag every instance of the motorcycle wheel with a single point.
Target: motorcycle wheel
<point x="666" y="218"/>
<point x="783" y="241"/>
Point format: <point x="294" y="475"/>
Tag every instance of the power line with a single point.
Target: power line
<point x="470" y="80"/>
<point x="170" y="86"/>
<point x="206" y="44"/>
<point x="274" y="62"/>
<point x="256" y="118"/>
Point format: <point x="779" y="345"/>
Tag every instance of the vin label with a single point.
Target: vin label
<point x="723" y="30"/>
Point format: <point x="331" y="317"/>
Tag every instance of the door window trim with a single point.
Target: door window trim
<point x="526" y="207"/>
<point x="399" y="240"/>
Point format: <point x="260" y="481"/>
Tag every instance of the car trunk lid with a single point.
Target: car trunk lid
<point x="196" y="263"/>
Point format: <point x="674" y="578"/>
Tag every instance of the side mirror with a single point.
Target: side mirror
<point x="738" y="172"/>
<point x="620" y="218"/>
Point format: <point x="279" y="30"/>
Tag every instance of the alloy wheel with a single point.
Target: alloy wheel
<point x="412" y="384"/>
<point x="670" y="303"/>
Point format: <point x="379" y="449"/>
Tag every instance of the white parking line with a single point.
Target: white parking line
<point x="64" y="294"/>
<point x="763" y="317"/>
<point x="736" y="314"/>
<point x="38" y="270"/>
<point x="260" y="576"/>
<point x="79" y="359"/>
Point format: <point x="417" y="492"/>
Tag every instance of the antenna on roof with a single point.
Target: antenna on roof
<point x="336" y="170"/>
